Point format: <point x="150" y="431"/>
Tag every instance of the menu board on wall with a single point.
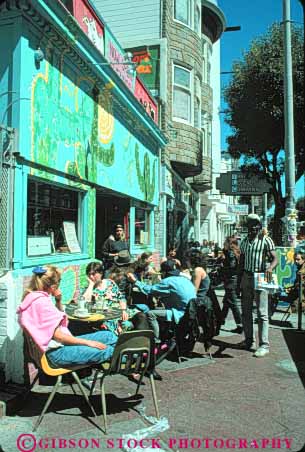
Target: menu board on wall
<point x="71" y="237"/>
<point x="39" y="245"/>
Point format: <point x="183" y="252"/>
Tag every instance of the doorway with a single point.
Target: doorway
<point x="111" y="209"/>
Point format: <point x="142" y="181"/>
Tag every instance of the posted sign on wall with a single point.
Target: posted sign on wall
<point x="238" y="209"/>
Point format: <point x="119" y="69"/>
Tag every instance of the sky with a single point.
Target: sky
<point x="254" y="17"/>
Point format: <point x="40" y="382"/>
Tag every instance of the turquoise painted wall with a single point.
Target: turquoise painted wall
<point x="82" y="133"/>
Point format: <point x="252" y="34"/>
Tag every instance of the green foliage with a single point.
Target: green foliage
<point x="255" y="98"/>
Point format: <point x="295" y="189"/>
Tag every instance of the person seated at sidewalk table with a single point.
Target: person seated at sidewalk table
<point x="172" y="256"/>
<point x="175" y="291"/>
<point x="108" y="289"/>
<point x="48" y="325"/>
<point x="123" y="261"/>
<point x="94" y="272"/>
<point x="144" y="267"/>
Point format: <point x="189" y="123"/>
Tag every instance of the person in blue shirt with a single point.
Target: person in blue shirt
<point x="175" y="291"/>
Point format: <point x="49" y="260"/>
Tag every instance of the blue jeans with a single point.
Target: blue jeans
<point x="72" y="355"/>
<point x="261" y="300"/>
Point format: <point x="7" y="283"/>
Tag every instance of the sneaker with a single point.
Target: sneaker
<point x="245" y="345"/>
<point x="261" y="352"/>
<point x="237" y="330"/>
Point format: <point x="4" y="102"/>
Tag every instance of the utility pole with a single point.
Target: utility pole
<point x="290" y="213"/>
<point x="265" y="210"/>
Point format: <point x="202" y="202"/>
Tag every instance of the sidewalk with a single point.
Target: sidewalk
<point x="231" y="397"/>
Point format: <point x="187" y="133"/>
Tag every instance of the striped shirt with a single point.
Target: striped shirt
<point x="256" y="253"/>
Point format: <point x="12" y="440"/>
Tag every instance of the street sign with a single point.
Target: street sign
<point x="238" y="209"/>
<point x="238" y="183"/>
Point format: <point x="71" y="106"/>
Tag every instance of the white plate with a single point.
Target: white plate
<point x="81" y="316"/>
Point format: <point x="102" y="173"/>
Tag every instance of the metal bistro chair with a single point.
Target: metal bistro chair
<point x="133" y="353"/>
<point x="41" y="362"/>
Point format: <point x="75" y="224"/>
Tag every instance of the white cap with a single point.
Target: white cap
<point x="253" y="217"/>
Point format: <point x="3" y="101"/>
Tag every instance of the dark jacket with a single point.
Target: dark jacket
<point x="230" y="265"/>
<point x="112" y="246"/>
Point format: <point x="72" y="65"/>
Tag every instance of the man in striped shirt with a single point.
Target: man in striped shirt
<point x="257" y="250"/>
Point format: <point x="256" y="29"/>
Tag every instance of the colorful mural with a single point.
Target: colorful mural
<point x="285" y="270"/>
<point x="73" y="279"/>
<point x="74" y="129"/>
<point x="146" y="178"/>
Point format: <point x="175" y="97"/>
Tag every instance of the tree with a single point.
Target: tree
<point x="255" y="98"/>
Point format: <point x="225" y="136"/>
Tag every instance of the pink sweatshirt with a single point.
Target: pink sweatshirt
<point x="38" y="315"/>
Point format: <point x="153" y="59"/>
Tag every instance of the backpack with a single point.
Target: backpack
<point x="199" y="313"/>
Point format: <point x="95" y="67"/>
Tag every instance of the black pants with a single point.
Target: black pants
<point x="230" y="301"/>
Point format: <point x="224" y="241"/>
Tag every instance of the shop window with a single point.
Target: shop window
<point x="182" y="95"/>
<point x="182" y="11"/>
<point x="142" y="226"/>
<point x="52" y="219"/>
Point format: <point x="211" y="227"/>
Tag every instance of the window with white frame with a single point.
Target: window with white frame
<point x="142" y="231"/>
<point x="53" y="212"/>
<point x="182" y="11"/>
<point x="182" y="94"/>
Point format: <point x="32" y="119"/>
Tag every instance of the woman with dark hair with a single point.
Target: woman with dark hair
<point x="231" y="256"/>
<point x="172" y="256"/>
<point x="94" y="272"/>
<point x="201" y="282"/>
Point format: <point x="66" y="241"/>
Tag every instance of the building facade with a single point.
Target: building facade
<point x="172" y="43"/>
<point x="79" y="151"/>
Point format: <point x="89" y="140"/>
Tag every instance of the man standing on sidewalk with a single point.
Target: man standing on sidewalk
<point x="256" y="251"/>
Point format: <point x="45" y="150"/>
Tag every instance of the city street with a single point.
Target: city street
<point x="234" y="400"/>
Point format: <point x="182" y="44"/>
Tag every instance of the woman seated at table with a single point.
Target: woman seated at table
<point x="108" y="290"/>
<point x="145" y="265"/>
<point x="172" y="256"/>
<point x="94" y="272"/>
<point x="48" y="324"/>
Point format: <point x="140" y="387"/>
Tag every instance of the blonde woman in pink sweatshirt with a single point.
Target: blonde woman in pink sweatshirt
<point x="48" y="324"/>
